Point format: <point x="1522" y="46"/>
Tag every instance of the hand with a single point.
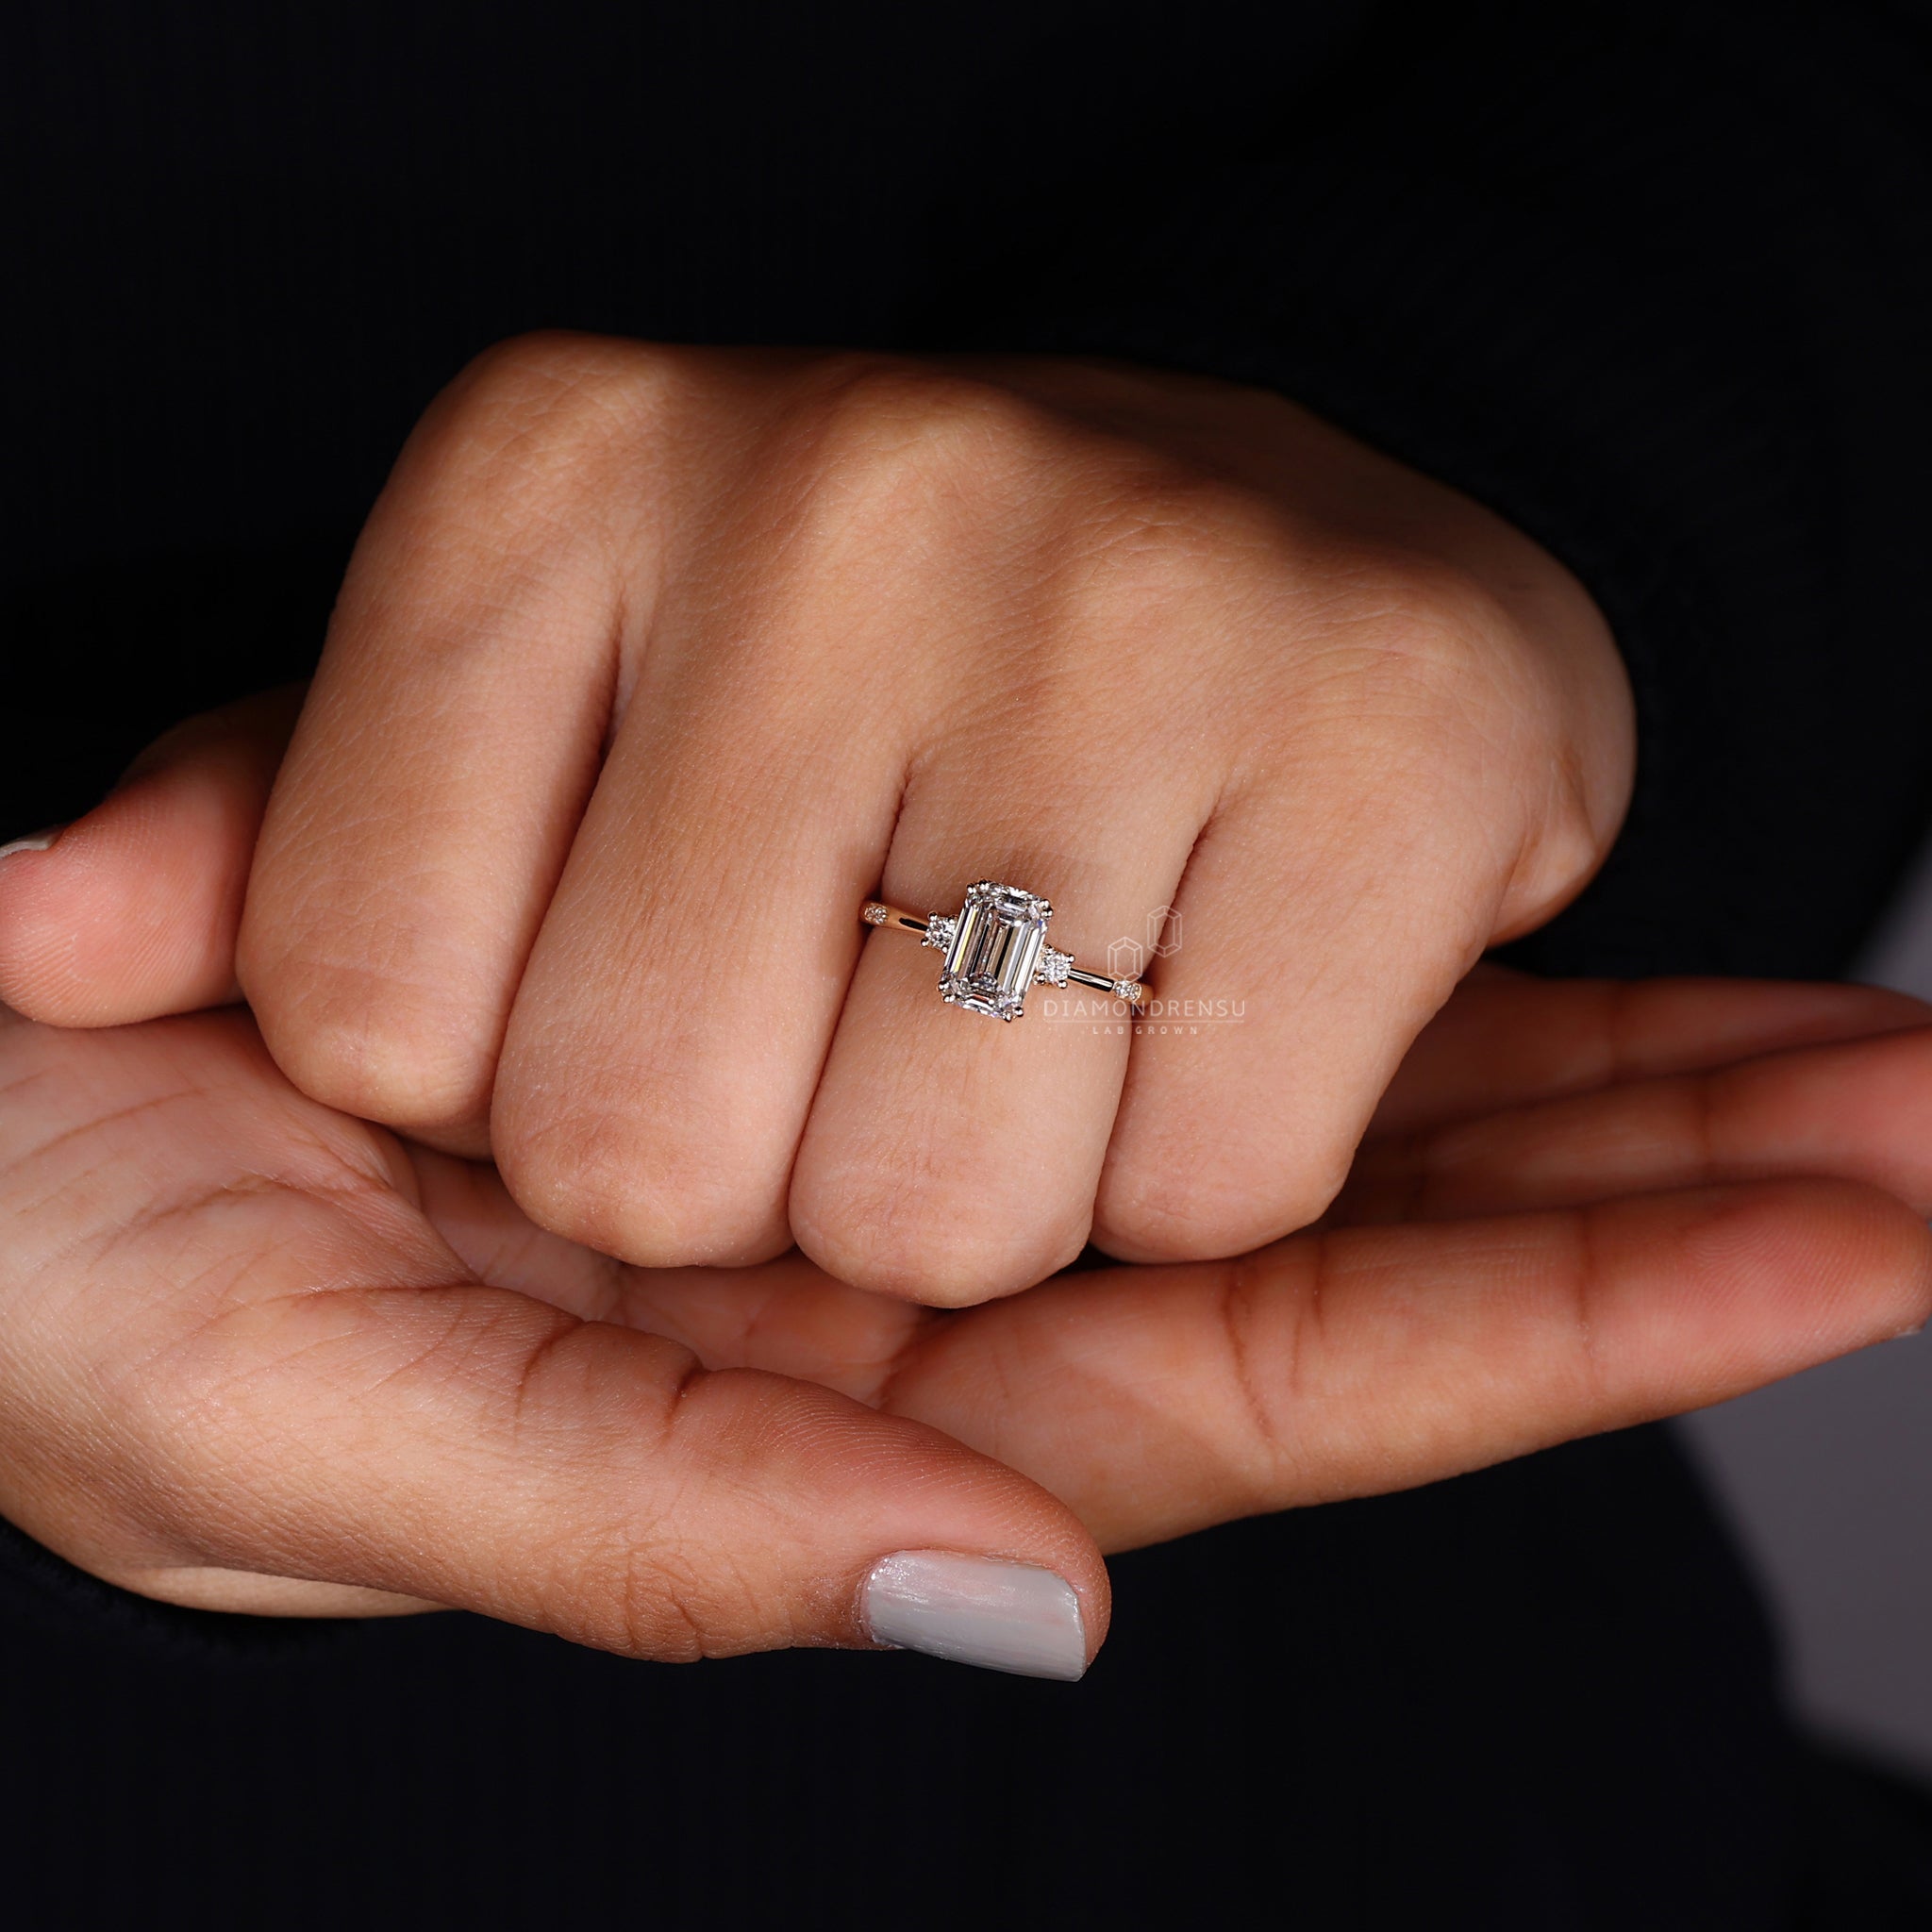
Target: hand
<point x="259" y="1355"/>
<point x="654" y="663"/>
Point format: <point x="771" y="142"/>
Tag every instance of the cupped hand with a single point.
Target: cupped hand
<point x="654" y="663"/>
<point x="260" y="1355"/>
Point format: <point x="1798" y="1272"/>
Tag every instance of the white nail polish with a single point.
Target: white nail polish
<point x="976" y="1610"/>
<point x="34" y="842"/>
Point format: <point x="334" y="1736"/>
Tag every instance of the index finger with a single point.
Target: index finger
<point x="1507" y="1039"/>
<point x="1159" y="1401"/>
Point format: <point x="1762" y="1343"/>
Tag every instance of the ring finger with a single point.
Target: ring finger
<point x="950" y="1156"/>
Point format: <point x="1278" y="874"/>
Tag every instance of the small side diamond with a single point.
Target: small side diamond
<point x="1053" y="968"/>
<point x="1129" y="990"/>
<point x="938" y="930"/>
<point x="875" y="914"/>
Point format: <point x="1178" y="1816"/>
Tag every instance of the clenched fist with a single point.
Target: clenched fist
<point x="654" y="663"/>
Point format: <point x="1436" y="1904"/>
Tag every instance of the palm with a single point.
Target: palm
<point x="229" y="1246"/>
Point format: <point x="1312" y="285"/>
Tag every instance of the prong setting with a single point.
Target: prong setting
<point x="1053" y="968"/>
<point x="995" y="949"/>
<point x="992" y="949"/>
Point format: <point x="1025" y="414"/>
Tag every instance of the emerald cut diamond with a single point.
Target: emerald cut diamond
<point x="994" y="947"/>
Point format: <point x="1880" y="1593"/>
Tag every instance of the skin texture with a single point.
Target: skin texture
<point x="262" y="1356"/>
<point x="652" y="663"/>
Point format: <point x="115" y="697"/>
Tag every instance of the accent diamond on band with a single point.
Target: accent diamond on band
<point x="996" y="947"/>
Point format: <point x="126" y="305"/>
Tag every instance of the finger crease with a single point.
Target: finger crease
<point x="908" y="1356"/>
<point x="1237" y="1310"/>
<point x="1588" y="1275"/>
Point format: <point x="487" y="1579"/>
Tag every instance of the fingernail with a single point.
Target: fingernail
<point x="34" y="842"/>
<point x="976" y="1610"/>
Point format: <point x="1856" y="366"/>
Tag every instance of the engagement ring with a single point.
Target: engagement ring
<point x="996" y="947"/>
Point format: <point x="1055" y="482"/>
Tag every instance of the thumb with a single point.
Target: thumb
<point x="597" y="1482"/>
<point x="244" y="1353"/>
<point x="132" y="912"/>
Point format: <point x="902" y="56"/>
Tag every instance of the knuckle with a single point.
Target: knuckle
<point x="1196" y="1203"/>
<point x="920" y="1240"/>
<point x="374" y="994"/>
<point x="372" y="1045"/>
<point x="891" y="438"/>
<point x="887" y="405"/>
<point x="546" y="413"/>
<point x="563" y="378"/>
<point x="602" y="1176"/>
